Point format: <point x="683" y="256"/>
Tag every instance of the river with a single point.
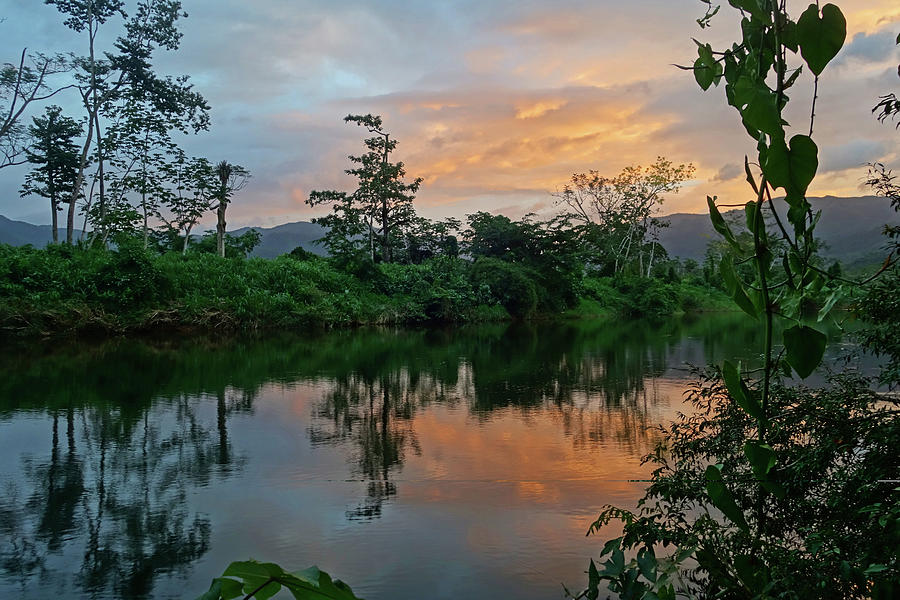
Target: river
<point x="438" y="463"/>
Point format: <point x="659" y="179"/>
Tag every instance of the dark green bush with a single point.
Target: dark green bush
<point x="511" y="285"/>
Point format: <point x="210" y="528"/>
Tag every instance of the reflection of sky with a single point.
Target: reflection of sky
<point x="495" y="103"/>
<point x="494" y="500"/>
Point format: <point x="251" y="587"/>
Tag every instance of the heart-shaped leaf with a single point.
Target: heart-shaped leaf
<point x="821" y="38"/>
<point x="805" y="348"/>
<point x="792" y="168"/>
<point x="703" y="74"/>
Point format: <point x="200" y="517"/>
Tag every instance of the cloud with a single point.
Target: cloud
<point x="728" y="172"/>
<point x="495" y="104"/>
<point x="875" y="47"/>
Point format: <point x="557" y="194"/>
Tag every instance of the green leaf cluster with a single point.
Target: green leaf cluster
<point x="252" y="579"/>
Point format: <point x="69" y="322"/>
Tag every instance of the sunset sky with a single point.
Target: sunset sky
<point x="495" y="103"/>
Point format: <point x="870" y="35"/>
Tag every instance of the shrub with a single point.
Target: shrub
<point x="511" y="285"/>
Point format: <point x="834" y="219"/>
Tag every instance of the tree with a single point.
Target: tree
<point x="229" y="178"/>
<point x="382" y="198"/>
<point x="548" y="253"/>
<point x="101" y="82"/>
<point x="20" y="86"/>
<point x="194" y="182"/>
<point x="617" y="215"/>
<point x="55" y="155"/>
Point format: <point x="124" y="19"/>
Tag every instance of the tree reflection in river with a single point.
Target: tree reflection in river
<point x="122" y="435"/>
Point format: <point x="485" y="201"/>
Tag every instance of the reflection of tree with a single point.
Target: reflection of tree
<point x="376" y="416"/>
<point x="116" y="493"/>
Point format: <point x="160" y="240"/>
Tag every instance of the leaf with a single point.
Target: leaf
<point x="804" y="161"/>
<point x="214" y="592"/>
<point x="761" y="457"/>
<point x="792" y="168"/>
<point x="761" y="111"/>
<point x="836" y="296"/>
<point x="805" y="348"/>
<point x="736" y="288"/>
<point x="703" y="74"/>
<point x="611" y="545"/>
<point x="821" y="38"/>
<point x="722" y="499"/>
<point x="251" y="568"/>
<point x="646" y="561"/>
<point x="719" y="223"/>
<point x="738" y="390"/>
<point x="593" y="591"/>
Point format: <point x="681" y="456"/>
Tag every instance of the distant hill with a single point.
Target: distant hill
<point x="20" y="233"/>
<point x="850" y="227"/>
<point x="281" y="239"/>
<point x="275" y="240"/>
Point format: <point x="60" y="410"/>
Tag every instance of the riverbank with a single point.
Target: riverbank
<point x="65" y="291"/>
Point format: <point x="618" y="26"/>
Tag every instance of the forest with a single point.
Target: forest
<point x="762" y="485"/>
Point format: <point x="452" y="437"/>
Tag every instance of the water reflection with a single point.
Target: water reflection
<point x="110" y="447"/>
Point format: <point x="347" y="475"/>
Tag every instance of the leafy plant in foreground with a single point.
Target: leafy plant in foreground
<point x="740" y="489"/>
<point x="252" y="579"/>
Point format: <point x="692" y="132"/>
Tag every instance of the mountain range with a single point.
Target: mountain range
<point x="850" y="227"/>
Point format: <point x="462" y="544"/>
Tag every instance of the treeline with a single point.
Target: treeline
<point x="71" y="288"/>
<point x="115" y="161"/>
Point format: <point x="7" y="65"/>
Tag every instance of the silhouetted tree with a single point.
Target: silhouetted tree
<point x="380" y="207"/>
<point x="230" y="178"/>
<point x="55" y="156"/>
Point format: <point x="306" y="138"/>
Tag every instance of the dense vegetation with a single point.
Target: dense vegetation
<point x="68" y="289"/>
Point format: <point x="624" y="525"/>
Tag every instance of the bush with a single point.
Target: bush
<point x="512" y="286"/>
<point x="830" y="526"/>
<point x="645" y="296"/>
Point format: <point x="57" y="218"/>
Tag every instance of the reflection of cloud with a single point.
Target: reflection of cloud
<point x="495" y="104"/>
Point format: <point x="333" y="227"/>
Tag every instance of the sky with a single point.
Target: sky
<point x="495" y="103"/>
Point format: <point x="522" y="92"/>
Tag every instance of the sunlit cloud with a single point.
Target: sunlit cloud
<point x="495" y="105"/>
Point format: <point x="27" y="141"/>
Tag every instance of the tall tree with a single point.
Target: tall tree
<point x="229" y="178"/>
<point x="102" y="80"/>
<point x="55" y="156"/>
<point x="617" y="215"/>
<point x="382" y="199"/>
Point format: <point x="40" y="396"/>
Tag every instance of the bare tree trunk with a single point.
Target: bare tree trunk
<point x="187" y="238"/>
<point x="79" y="181"/>
<point x="100" y="172"/>
<point x="54" y="218"/>
<point x="385" y="233"/>
<point x="220" y="228"/>
<point x="93" y="111"/>
<point x="144" y="209"/>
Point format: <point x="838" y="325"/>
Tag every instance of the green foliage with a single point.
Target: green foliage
<point x="439" y="289"/>
<point x="509" y="284"/>
<point x="769" y="488"/>
<point x="252" y="579"/>
<point x="615" y="217"/>
<point x="645" y="297"/>
<point x="55" y="156"/>
<point x="380" y="211"/>
<point x="236" y="246"/>
<point x="548" y="253"/>
<point x="831" y="518"/>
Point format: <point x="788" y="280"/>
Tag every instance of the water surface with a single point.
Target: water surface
<point x="460" y="463"/>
